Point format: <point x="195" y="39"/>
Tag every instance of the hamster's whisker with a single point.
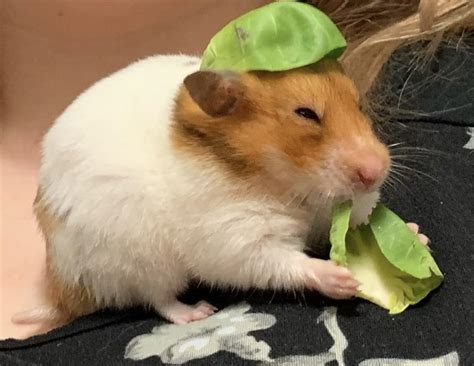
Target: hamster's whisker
<point x="390" y="177"/>
<point x="418" y="150"/>
<point x="395" y="144"/>
<point x="326" y="199"/>
<point x="297" y="200"/>
<point x="398" y="176"/>
<point x="411" y="157"/>
<point x="303" y="198"/>
<point x="328" y="196"/>
<point x="296" y="197"/>
<point x="399" y="173"/>
<point x="291" y="199"/>
<point x="389" y="185"/>
<point x="290" y="196"/>
<point x="414" y="171"/>
<point x="396" y="180"/>
<point x="410" y="149"/>
<point x="407" y="161"/>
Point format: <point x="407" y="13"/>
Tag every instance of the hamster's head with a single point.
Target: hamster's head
<point x="299" y="132"/>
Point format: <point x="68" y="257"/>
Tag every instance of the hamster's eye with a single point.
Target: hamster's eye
<point x="308" y="114"/>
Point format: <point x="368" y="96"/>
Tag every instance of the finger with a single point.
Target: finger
<point x="424" y="239"/>
<point x="413" y="227"/>
<point x="345" y="293"/>
<point x="350" y="284"/>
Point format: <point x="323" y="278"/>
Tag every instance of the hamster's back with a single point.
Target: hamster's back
<point x="123" y="113"/>
<point x="112" y="135"/>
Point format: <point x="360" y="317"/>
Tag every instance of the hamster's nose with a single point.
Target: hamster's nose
<point x="370" y="171"/>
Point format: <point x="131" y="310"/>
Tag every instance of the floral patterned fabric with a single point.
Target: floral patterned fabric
<point x="228" y="332"/>
<point x="436" y="190"/>
<point x="273" y="329"/>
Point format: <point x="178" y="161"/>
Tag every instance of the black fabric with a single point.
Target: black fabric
<point x="440" y="324"/>
<point x="440" y="199"/>
<point x="440" y="89"/>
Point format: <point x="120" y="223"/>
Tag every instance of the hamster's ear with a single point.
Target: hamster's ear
<point x="216" y="92"/>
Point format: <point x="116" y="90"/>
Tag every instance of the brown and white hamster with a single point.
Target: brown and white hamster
<point x="161" y="173"/>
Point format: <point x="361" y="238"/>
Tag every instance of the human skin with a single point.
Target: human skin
<point x="50" y="51"/>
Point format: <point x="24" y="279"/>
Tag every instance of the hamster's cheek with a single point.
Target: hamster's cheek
<point x="279" y="168"/>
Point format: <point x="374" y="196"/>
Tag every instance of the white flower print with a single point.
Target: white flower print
<point x="470" y="143"/>
<point x="225" y="331"/>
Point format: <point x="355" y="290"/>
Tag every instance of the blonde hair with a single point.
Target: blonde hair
<point x="374" y="29"/>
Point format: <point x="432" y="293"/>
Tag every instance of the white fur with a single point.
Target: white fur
<point x="141" y="218"/>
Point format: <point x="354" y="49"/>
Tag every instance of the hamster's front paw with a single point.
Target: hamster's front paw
<point x="332" y="280"/>
<point x="422" y="237"/>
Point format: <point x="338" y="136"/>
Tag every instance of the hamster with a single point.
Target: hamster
<point x="162" y="173"/>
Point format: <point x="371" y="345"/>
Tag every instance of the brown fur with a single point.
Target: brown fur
<point x="72" y="300"/>
<point x="264" y="117"/>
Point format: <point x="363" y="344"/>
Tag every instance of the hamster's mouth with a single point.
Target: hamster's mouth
<point x="351" y="191"/>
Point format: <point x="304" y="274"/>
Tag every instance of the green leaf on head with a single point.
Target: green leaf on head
<point x="275" y="37"/>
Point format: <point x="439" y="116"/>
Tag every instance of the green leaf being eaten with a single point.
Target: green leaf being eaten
<point x="394" y="268"/>
<point x="279" y="36"/>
